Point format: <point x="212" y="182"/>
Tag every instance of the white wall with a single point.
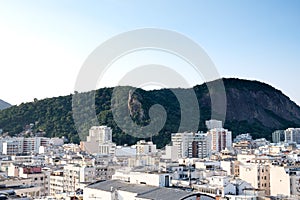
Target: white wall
<point x="279" y="181"/>
<point x="227" y="166"/>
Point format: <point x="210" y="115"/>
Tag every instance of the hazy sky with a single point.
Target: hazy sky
<point x="43" y="44"/>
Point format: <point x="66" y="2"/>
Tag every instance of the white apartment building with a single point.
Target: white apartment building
<point x="150" y="161"/>
<point x="75" y="174"/>
<point x="100" y="134"/>
<point x="56" y="183"/>
<point x="221" y="139"/>
<point x="257" y="174"/>
<point x="285" y="181"/>
<point x="171" y="153"/>
<point x="104" y="172"/>
<point x="279" y="181"/>
<point x="201" y="145"/>
<point x="145" y="148"/>
<point x="212" y="124"/>
<point x="99" y="141"/>
<point x="13" y="146"/>
<point x="32" y="144"/>
<point x="191" y="145"/>
<point x="107" y="149"/>
<point x="22" y="159"/>
<point x="292" y="135"/>
<point x="20" y="145"/>
<point x="182" y="141"/>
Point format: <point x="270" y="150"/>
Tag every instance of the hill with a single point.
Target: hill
<point x="252" y="107"/>
<point x="4" y="105"/>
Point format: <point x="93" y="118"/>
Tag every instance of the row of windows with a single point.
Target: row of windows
<point x="263" y="178"/>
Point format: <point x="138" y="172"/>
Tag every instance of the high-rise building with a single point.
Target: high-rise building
<point x="211" y="124"/>
<point x="99" y="141"/>
<point x="200" y="146"/>
<point x="292" y="135"/>
<point x="182" y="141"/>
<point x="32" y="144"/>
<point x="278" y="136"/>
<point x="191" y="145"/>
<point x="21" y="145"/>
<point x="13" y="146"/>
<point x="220" y="139"/>
<point x="101" y="134"/>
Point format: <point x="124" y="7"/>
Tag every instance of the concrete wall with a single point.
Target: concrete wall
<point x="279" y="181"/>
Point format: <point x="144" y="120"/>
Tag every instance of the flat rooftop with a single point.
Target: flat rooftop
<point x="142" y="191"/>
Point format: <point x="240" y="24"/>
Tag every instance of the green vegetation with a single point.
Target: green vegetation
<point x="54" y="115"/>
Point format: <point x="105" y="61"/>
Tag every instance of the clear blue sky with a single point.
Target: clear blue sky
<point x="44" y="43"/>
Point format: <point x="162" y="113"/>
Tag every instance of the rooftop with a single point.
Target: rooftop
<point x="142" y="191"/>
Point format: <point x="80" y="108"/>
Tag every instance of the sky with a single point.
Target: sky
<point x="43" y="44"/>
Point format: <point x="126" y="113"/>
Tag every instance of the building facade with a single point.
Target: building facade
<point x="221" y="139"/>
<point x="191" y="145"/>
<point x="292" y="135"/>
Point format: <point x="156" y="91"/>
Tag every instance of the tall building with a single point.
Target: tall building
<point x="13" y="146"/>
<point x="101" y="134"/>
<point x="32" y="144"/>
<point x="20" y="145"/>
<point x="292" y="135"/>
<point x="211" y="124"/>
<point x="200" y="147"/>
<point x="99" y="141"/>
<point x="191" y="145"/>
<point x="182" y="141"/>
<point x="220" y="139"/>
<point x="278" y="136"/>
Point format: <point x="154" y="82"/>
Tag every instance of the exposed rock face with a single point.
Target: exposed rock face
<point x="252" y="107"/>
<point x="254" y="101"/>
<point x="135" y="106"/>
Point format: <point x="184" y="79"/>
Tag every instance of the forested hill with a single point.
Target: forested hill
<point x="252" y="107"/>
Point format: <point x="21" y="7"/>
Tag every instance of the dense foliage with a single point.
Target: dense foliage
<point x="55" y="116"/>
